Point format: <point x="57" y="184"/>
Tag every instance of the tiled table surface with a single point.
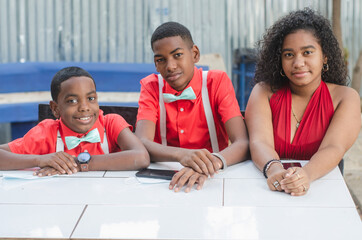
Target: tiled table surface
<point x="235" y="204"/>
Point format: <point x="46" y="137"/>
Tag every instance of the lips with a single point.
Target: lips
<point x="300" y="74"/>
<point x="84" y="119"/>
<point x="173" y="76"/>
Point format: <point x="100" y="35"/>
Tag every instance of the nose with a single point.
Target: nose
<point x="83" y="106"/>
<point x="299" y="61"/>
<point x="171" y="65"/>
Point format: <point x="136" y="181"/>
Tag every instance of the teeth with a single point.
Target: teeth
<point x="84" y="118"/>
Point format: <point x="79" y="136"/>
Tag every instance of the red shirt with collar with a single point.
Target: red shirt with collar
<point x="41" y="139"/>
<point x="185" y="119"/>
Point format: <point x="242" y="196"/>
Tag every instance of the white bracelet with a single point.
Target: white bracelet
<point x="223" y="160"/>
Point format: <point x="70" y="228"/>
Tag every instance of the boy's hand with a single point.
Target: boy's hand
<point x="60" y="161"/>
<point x="189" y="176"/>
<point x="46" y="171"/>
<point x="201" y="160"/>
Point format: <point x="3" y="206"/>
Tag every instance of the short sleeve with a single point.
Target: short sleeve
<point x="148" y="102"/>
<point x="224" y="95"/>
<point x="40" y="140"/>
<point x="114" y="124"/>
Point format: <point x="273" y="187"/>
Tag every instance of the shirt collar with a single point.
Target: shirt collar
<point x="195" y="83"/>
<point x="65" y="131"/>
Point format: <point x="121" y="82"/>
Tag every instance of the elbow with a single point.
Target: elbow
<point x="143" y="161"/>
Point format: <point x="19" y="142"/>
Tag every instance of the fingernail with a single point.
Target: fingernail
<point x="39" y="174"/>
<point x="187" y="190"/>
<point x="176" y="189"/>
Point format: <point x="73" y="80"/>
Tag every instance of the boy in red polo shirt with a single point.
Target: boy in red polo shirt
<point x="187" y="115"/>
<point x="80" y="130"/>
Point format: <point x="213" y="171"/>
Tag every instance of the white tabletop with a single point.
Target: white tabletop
<point x="235" y="204"/>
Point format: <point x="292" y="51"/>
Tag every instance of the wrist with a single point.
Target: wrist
<point x="271" y="164"/>
<point x="222" y="159"/>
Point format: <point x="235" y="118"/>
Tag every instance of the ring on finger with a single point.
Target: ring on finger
<point x="298" y="175"/>
<point x="304" y="188"/>
<point x="276" y="184"/>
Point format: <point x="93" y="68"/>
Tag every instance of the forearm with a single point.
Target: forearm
<point x="323" y="161"/>
<point x="161" y="153"/>
<point x="13" y="161"/>
<point x="261" y="153"/>
<point x="237" y="152"/>
<point x="125" y="160"/>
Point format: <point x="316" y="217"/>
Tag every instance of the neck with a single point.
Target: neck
<point x="304" y="91"/>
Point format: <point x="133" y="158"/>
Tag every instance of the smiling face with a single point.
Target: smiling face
<point x="302" y="58"/>
<point x="174" y="60"/>
<point x="77" y="104"/>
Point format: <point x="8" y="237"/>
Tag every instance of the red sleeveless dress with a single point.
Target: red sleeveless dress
<point x="312" y="128"/>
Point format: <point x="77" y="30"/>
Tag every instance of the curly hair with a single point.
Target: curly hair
<point x="269" y="62"/>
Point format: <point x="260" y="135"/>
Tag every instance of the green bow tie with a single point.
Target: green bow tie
<point x="187" y="94"/>
<point x="92" y="137"/>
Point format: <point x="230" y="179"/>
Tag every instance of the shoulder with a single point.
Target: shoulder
<point x="216" y="75"/>
<point x="262" y="89"/>
<point x="150" y="79"/>
<point x="112" y="118"/>
<point x="48" y="124"/>
<point x="343" y="94"/>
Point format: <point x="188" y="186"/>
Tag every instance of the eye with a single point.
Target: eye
<point x="92" y="98"/>
<point x="72" y="101"/>
<point x="160" y="60"/>
<point x="308" y="52"/>
<point x="288" y="55"/>
<point x="177" y="55"/>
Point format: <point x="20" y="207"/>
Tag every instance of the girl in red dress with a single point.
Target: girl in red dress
<point x="300" y="107"/>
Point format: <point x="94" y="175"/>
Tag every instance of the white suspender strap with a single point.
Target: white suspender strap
<point x="208" y="113"/>
<point x="104" y="144"/>
<point x="60" y="144"/>
<point x="162" y="112"/>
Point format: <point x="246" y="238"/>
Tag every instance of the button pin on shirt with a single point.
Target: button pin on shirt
<point x="182" y="131"/>
<point x="181" y="109"/>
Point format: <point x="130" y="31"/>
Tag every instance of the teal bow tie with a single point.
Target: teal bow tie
<point x="187" y="94"/>
<point x="92" y="137"/>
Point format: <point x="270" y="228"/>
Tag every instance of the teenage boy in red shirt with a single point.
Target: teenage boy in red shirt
<point x="80" y="130"/>
<point x="191" y="121"/>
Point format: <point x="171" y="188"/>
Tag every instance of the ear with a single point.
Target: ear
<point x="325" y="60"/>
<point x="195" y="53"/>
<point x="55" y="109"/>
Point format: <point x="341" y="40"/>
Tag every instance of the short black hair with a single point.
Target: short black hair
<point x="172" y="29"/>
<point x="269" y="62"/>
<point x="63" y="75"/>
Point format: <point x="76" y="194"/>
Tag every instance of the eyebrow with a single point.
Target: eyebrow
<point x="173" y="51"/>
<point x="302" y="48"/>
<point x="74" y="95"/>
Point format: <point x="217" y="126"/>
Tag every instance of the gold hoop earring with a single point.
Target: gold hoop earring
<point x="281" y="73"/>
<point x="325" y="67"/>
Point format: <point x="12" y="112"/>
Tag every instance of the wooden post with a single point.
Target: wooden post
<point x="357" y="74"/>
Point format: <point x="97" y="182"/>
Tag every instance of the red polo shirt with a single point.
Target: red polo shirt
<point x="41" y="139"/>
<point x="185" y="119"/>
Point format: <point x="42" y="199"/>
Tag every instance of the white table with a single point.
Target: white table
<point x="235" y="204"/>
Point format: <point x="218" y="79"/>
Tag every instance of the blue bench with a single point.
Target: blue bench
<point x="37" y="76"/>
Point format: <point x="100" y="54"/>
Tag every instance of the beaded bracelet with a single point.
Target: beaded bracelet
<point x="268" y="164"/>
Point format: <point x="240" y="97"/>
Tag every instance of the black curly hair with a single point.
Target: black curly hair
<point x="269" y="62"/>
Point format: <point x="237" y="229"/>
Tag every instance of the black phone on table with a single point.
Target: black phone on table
<point x="156" y="173"/>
